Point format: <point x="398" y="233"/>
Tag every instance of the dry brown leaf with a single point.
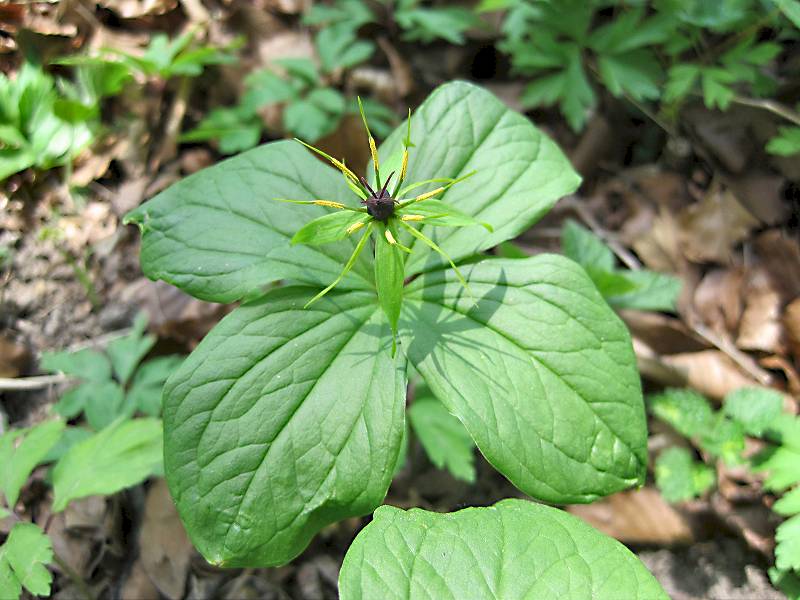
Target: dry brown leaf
<point x="78" y="533"/>
<point x="138" y="586"/>
<point x="709" y="230"/>
<point x="762" y="195"/>
<point x="662" y="333"/>
<point x="780" y="255"/>
<point x="780" y="363"/>
<point x="659" y="247"/>
<point x="637" y="517"/>
<point x="791" y="321"/>
<point x="718" y="300"/>
<point x="14" y="356"/>
<point x="760" y="327"/>
<point x="93" y="225"/>
<point x="165" y="547"/>
<point x="135" y="9"/>
<point x="710" y="372"/>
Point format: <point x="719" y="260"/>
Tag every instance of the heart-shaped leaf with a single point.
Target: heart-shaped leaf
<point x="281" y="421"/>
<point x="513" y="550"/>
<point x="519" y="172"/>
<point x="220" y="236"/>
<point x="538" y="368"/>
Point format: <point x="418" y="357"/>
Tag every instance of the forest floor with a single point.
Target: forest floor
<point x="704" y="203"/>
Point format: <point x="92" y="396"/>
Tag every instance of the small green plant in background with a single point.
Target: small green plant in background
<point x="39" y="125"/>
<point x="662" y="54"/>
<point x="622" y="288"/>
<point x="290" y="413"/>
<point x="115" y="383"/>
<point x="311" y="110"/>
<point x="121" y="451"/>
<point x="755" y="412"/>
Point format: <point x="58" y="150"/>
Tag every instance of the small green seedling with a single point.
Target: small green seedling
<point x="115" y="383"/>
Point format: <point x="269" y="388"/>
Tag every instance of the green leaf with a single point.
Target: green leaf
<point x="23" y="560"/>
<point x="235" y="129"/>
<point x="786" y="143"/>
<point x="610" y="283"/>
<point x="545" y="91"/>
<point x="651" y="291"/>
<point x="586" y="248"/>
<point x="782" y="465"/>
<point x="513" y="550"/>
<point x="787" y="550"/>
<point x="85" y="364"/>
<point x="755" y="408"/>
<point x="18" y="458"/>
<point x="328" y="228"/>
<point x="789" y="504"/>
<point x="282" y="421"/>
<point x="446" y="442"/>
<point x="428" y="24"/>
<point x="126" y="352"/>
<point x="339" y="48"/>
<point x="716" y="91"/>
<point x="687" y="411"/>
<point x="520" y="173"/>
<point x="219" y="236"/>
<point x="145" y="391"/>
<point x="104" y="403"/>
<point x="69" y="437"/>
<point x="636" y="73"/>
<point x="389" y="263"/>
<point x="539" y="370"/>
<point x="679" y="477"/>
<point x="119" y="456"/>
<point x="308" y="121"/>
<point x="681" y="81"/>
<point x="790" y="9"/>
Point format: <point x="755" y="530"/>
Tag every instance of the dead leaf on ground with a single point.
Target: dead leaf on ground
<point x="659" y="247"/>
<point x="718" y="300"/>
<point x="173" y="314"/>
<point x="135" y="9"/>
<point x="165" y="547"/>
<point x="14" y="356"/>
<point x="710" y="372"/>
<point x="138" y="585"/>
<point x="780" y="255"/>
<point x="662" y="333"/>
<point x="709" y="230"/>
<point x="780" y="363"/>
<point x="761" y="327"/>
<point x="638" y="517"/>
<point x="93" y="225"/>
<point x="78" y="533"/>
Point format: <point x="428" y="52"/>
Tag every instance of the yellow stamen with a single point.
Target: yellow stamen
<point x="412" y="218"/>
<point x="329" y="203"/>
<point x="355" y="227"/>
<point x="374" y="150"/>
<point x="404" y="166"/>
<point x="430" y="194"/>
<point x="390" y="237"/>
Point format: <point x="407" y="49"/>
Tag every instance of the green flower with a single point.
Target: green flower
<point x="386" y="210"/>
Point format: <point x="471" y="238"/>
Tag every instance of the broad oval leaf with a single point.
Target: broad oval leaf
<point x="538" y="368"/>
<point x="520" y="172"/>
<point x="282" y="421"/>
<point x="514" y="550"/>
<point x="220" y="236"/>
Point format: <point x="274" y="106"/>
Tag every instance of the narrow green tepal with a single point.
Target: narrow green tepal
<point x="389" y="261"/>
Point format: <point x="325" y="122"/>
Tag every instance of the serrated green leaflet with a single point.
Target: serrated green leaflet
<point x="18" y="458"/>
<point x="23" y="557"/>
<point x="120" y="456"/>
<point x="283" y="420"/>
<point x="520" y="173"/>
<point x="218" y="236"/>
<point x="539" y="370"/>
<point x="514" y="550"/>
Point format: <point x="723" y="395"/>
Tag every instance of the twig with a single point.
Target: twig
<point x="32" y="383"/>
<point x="770" y="105"/>
<point x="744" y="361"/>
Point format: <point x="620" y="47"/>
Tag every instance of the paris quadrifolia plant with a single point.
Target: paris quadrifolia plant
<point x="289" y="415"/>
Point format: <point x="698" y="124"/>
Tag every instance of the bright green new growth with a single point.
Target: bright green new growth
<point x="514" y="550"/>
<point x="286" y="419"/>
